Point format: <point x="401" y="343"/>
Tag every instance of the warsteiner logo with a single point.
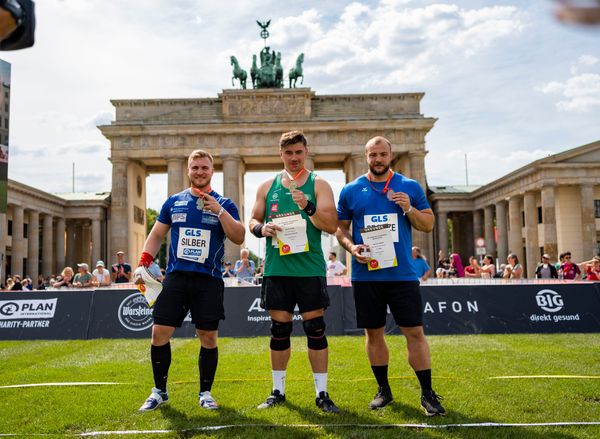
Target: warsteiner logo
<point x="134" y="313"/>
<point x="549" y="300"/>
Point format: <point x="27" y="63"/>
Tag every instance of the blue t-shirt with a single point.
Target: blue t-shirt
<point x="363" y="203"/>
<point x="246" y="274"/>
<point x="197" y="237"/>
<point x="421" y="267"/>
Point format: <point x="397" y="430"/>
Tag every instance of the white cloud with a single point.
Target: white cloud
<point x="581" y="92"/>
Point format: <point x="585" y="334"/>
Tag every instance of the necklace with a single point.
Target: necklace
<point x="293" y="185"/>
<point x="387" y="183"/>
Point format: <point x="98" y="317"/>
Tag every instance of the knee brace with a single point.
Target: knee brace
<point x="280" y="335"/>
<point x="315" y="333"/>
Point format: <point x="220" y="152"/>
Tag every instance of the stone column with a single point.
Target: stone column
<point x="119" y="222"/>
<point x="442" y="229"/>
<point x="488" y="225"/>
<point x="33" y="245"/>
<point x="588" y="222"/>
<point x="18" y="250"/>
<point x="550" y="243"/>
<point x="233" y="188"/>
<point x="71" y="230"/>
<point x="85" y="245"/>
<point x="309" y="163"/>
<point x="96" y="241"/>
<point x="417" y="172"/>
<point x="175" y="175"/>
<point x="501" y="230"/>
<point x="359" y="165"/>
<point x="515" y="233"/>
<point x="60" y="245"/>
<point x="532" y="251"/>
<point x="477" y="227"/>
<point x="47" y="243"/>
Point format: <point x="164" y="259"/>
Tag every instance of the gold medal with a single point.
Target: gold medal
<point x="293" y="185"/>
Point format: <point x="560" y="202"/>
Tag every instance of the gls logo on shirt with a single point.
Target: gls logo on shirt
<point x="384" y="218"/>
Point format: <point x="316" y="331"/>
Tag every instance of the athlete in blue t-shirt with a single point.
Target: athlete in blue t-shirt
<point x="383" y="206"/>
<point x="199" y="219"/>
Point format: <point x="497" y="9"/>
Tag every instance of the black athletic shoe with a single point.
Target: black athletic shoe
<point x="430" y="401"/>
<point x="383" y="398"/>
<point x="325" y="403"/>
<point x="274" y="399"/>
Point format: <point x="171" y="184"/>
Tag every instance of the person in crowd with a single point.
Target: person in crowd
<point x="473" y="269"/>
<point x="295" y="277"/>
<point x="443" y="265"/>
<point x="17" y="284"/>
<point x="335" y="267"/>
<point x="227" y="271"/>
<point x="395" y="286"/>
<point x="43" y="282"/>
<point x="199" y="221"/>
<point x="546" y="270"/>
<point x="27" y="284"/>
<point x="420" y="263"/>
<point x="101" y="276"/>
<point x="244" y="267"/>
<point x="121" y="271"/>
<point x="592" y="269"/>
<point x="561" y="260"/>
<point x="456" y="266"/>
<point x="513" y="269"/>
<point x="488" y="269"/>
<point x="259" y="273"/>
<point x="65" y="280"/>
<point x="569" y="270"/>
<point x="83" y="278"/>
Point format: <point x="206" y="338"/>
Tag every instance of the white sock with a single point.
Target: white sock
<point x="279" y="380"/>
<point x="320" y="382"/>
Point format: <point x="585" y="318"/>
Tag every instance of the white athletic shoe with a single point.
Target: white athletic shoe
<point x="206" y="401"/>
<point x="155" y="399"/>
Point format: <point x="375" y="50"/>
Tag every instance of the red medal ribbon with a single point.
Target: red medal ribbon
<point x="387" y="183"/>
<point x="296" y="176"/>
<point x="197" y="192"/>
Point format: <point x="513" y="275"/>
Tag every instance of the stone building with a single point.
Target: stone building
<point x="45" y="232"/>
<point x="549" y="206"/>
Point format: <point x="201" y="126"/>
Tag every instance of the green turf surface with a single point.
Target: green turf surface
<point x="463" y="371"/>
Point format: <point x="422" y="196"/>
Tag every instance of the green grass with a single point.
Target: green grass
<point x="463" y="367"/>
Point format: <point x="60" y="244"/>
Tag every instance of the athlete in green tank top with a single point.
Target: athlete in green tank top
<point x="294" y="273"/>
<point x="305" y="264"/>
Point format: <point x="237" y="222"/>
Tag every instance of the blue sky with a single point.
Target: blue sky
<point x="507" y="82"/>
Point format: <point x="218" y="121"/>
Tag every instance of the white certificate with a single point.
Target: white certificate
<point x="293" y="238"/>
<point x="381" y="243"/>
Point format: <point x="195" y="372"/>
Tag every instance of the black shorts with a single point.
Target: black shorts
<point x="372" y="299"/>
<point x="185" y="291"/>
<point x="284" y="292"/>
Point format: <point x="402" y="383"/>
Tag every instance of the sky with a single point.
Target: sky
<point x="507" y="82"/>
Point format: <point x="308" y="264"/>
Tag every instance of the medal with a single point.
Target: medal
<point x="390" y="195"/>
<point x="387" y="183"/>
<point x="293" y="185"/>
<point x="200" y="203"/>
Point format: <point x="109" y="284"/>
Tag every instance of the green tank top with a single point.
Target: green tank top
<point x="306" y="264"/>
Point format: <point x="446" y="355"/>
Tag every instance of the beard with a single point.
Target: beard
<point x="385" y="170"/>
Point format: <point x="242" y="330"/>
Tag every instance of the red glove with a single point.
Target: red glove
<point x="145" y="259"/>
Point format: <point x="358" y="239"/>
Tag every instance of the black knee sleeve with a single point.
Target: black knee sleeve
<point x="315" y="333"/>
<point x="280" y="335"/>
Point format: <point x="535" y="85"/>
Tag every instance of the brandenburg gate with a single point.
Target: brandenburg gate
<point x="241" y="129"/>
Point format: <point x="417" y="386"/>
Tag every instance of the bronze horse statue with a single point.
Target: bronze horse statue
<point x="254" y="73"/>
<point x="238" y="73"/>
<point x="296" y="72"/>
<point x="278" y="71"/>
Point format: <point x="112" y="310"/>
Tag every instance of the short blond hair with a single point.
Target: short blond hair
<point x="199" y="154"/>
<point x="377" y="140"/>
<point x="291" y="138"/>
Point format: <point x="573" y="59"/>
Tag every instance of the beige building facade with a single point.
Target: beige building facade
<point x="549" y="206"/>
<point x="241" y="129"/>
<point x="42" y="233"/>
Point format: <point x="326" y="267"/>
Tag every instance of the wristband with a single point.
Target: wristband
<point x="257" y="230"/>
<point x="310" y="208"/>
<point x="220" y="212"/>
<point x="407" y="211"/>
<point x="145" y="259"/>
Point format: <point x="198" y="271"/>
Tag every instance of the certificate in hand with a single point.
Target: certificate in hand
<point x="381" y="243"/>
<point x="293" y="238"/>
